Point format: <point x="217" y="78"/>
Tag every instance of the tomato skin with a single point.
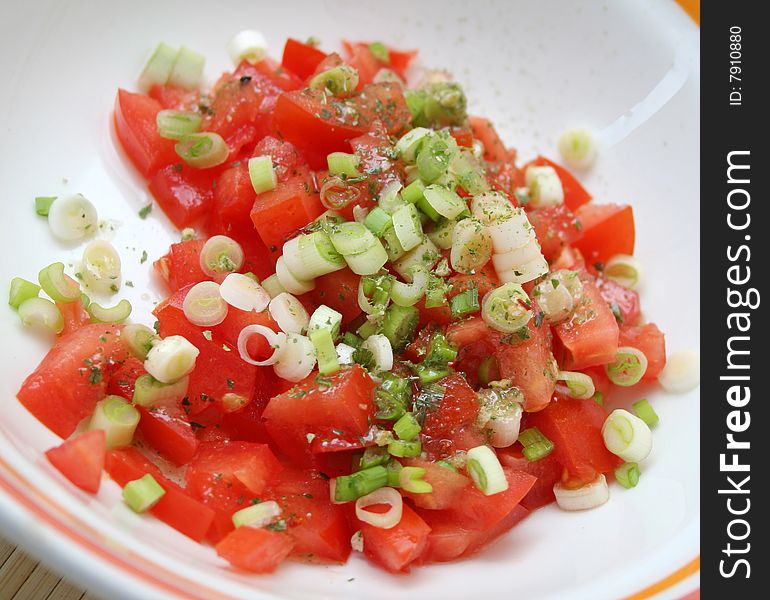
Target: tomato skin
<point x="555" y="227"/>
<point x="256" y="550"/>
<point x="247" y="424"/>
<point x="484" y="131"/>
<point x="181" y="266"/>
<point x="608" y="229"/>
<point x="395" y="548"/>
<point x="301" y="59"/>
<point x="232" y="201"/>
<point x="448" y="485"/>
<point x="176" y="98"/>
<point x="338" y="290"/>
<point x="651" y="341"/>
<point x="273" y="71"/>
<point x="627" y="301"/>
<point x="169" y="433"/>
<point x="81" y="459"/>
<point x="64" y="388"/>
<point x="176" y="508"/>
<point x="123" y="379"/>
<point x="548" y="471"/>
<point x="575" y="194"/>
<point x="75" y="316"/>
<point x="185" y="194"/>
<point x="138" y="133"/>
<point x="230" y="329"/>
<point x="446" y="423"/>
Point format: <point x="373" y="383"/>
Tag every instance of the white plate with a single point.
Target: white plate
<point x="627" y="69"/>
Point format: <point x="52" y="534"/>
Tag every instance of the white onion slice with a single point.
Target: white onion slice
<point x="627" y="436"/>
<point x="101" y="267"/>
<point x="386" y="520"/>
<point x="171" y="358"/>
<point x="203" y="306"/>
<point x="516" y="258"/>
<point x="545" y="188"/>
<point x="587" y="496"/>
<point x="345" y="354"/>
<point x="512" y="233"/>
<point x="357" y="539"/>
<point x="221" y="254"/>
<point x="289" y="282"/>
<point x="289" y="313"/>
<point x="505" y="428"/>
<point x="527" y="272"/>
<point x="296" y="359"/>
<point x="247" y="45"/>
<point x="244" y="293"/>
<point x="381" y="350"/>
<point x="681" y="373"/>
<point x="276" y="341"/>
<point x="471" y="246"/>
<point x="72" y="218"/>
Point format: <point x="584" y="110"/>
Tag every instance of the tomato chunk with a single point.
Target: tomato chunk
<point x="651" y="341"/>
<point x="185" y="194"/>
<point x="447" y="422"/>
<point x="301" y="59"/>
<point x="338" y="290"/>
<point x="575" y="195"/>
<point x="608" y="229"/>
<point x="166" y="431"/>
<point x="182" y="266"/>
<point x="448" y="486"/>
<point x="75" y="316"/>
<point x="395" y="548"/>
<point x="556" y="227"/>
<point x="257" y="550"/>
<point x="548" y="471"/>
<point x="624" y="299"/>
<point x="484" y="131"/>
<point x="81" y="459"/>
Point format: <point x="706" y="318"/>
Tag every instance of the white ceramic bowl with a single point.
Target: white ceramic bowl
<point x="628" y="69"/>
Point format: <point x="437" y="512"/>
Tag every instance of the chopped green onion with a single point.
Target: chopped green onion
<point x="309" y="256"/>
<point x="465" y="303"/>
<point x="411" y="143"/>
<point x="587" y="496"/>
<point x="221" y="254"/>
<point x="447" y="465"/>
<point x="43" y="205"/>
<point x="339" y="81"/>
<point x="646" y="413"/>
<point x="404" y="449"/>
<point x="257" y="515"/>
<point x="118" y="418"/>
<point x="377" y="221"/>
<point x="435" y="292"/>
<point x="627" y="436"/>
<point x="439" y="104"/>
<point x="444" y="201"/>
<point x="57" y="285"/>
<point x="262" y="173"/>
<point x="411" y="480"/>
<point x="248" y="45"/>
<point x="380" y="52"/>
<point x="113" y="314"/>
<point x="370" y="261"/>
<point x="142" y="494"/>
<point x="623" y="269"/>
<point x="324" y="317"/>
<point x="21" y="290"/>
<point x="374" y="456"/>
<point x="414" y="192"/>
<point x="598" y="397"/>
<point x="325" y="351"/>
<point x="471" y="246"/>
<point x="289" y="313"/>
<point x="352" y="238"/>
<point x="406" y="223"/>
<point x="202" y="150"/>
<point x="429" y="373"/>
<point x="628" y="474"/>
<point x="41" y="314"/>
<point x="351" y="339"/>
<point x="391" y="397"/>
<point x="101" y="267"/>
<point x="175" y="124"/>
<point x="440" y="233"/>
<point x="409" y="294"/>
<point x="273" y="286"/>
<point x="425" y="255"/>
<point x="394" y="473"/>
<point x="390" y="199"/>
<point x="545" y="187"/>
<point x="381" y="352"/>
<point x="171" y="359"/>
<point x="353" y="486"/>
<point x="158" y="68"/>
<point x="391" y="244"/>
<point x="486" y="471"/>
<point x="399" y="325"/>
<point x="536" y="445"/>
<point x="369" y="328"/>
<point x="139" y="339"/>
<point x="440" y="350"/>
<point x="188" y="233"/>
<point x="578" y="147"/>
<point x="578" y="385"/>
<point x="407" y="428"/>
<point x="72" y="217"/>
<point x="628" y="368"/>
<point x="433" y="159"/>
<point x="187" y="70"/>
<point x="149" y="392"/>
<point x="468" y="172"/>
<point x="507" y="308"/>
<point x="343" y="164"/>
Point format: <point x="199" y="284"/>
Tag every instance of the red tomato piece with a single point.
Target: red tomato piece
<point x="81" y="459"/>
<point x="463" y="136"/>
<point x="608" y="229"/>
<point x="395" y="548"/>
<point x="575" y="195"/>
<point x="274" y="71"/>
<point x="464" y="333"/>
<point x="176" y="98"/>
<point x="626" y="300"/>
<point x="169" y="433"/>
<point x="486" y="537"/>
<point x="182" y="265"/>
<point x="246" y="424"/>
<point x="548" y="471"/>
<point x="72" y="378"/>
<point x="338" y="290"/>
<point x="138" y="132"/>
<point x="458" y="408"/>
<point x="555" y="227"/>
<point x="448" y="485"/>
<point x="232" y="201"/>
<point x="484" y="131"/>
<point x="256" y="550"/>
<point x="651" y="341"/>
<point x="505" y="177"/>
<point x="176" y="508"/>
<point x="75" y="316"/>
<point x="185" y="194"/>
<point x="569" y="258"/>
<point x="590" y="336"/>
<point x="301" y="59"/>
<point x="230" y="329"/>
<point x="122" y="381"/>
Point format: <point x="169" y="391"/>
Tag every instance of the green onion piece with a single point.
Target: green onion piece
<point x="507" y="308"/>
<point x="628" y="474"/>
<point x="353" y="486"/>
<point x="469" y="173"/>
<point x="411" y="480"/>
<point x="435" y="292"/>
<point x="486" y="471"/>
<point x="646" y="413"/>
<point x="324" y="317"/>
<point x="351" y="238"/>
<point x="202" y="150"/>
<point x="262" y="173"/>
<point x="406" y="223"/>
<point x="407" y="428"/>
<point x="399" y="325"/>
<point x="409" y="294"/>
<point x="339" y="81"/>
<point x="187" y="70"/>
<point x="139" y="339"/>
<point x="142" y="494"/>
<point x="444" y="201"/>
<point x="114" y="314"/>
<point x="380" y="52"/>
<point x="440" y="233"/>
<point x="175" y="124"/>
<point x="598" y="397"/>
<point x="257" y="515"/>
<point x="21" y="290"/>
<point x="85" y="300"/>
<point x="344" y="164"/>
<point x="351" y="339"/>
<point x="370" y="261"/>
<point x="440" y="350"/>
<point x="149" y="392"/>
<point x="369" y="328"/>
<point x="309" y="256"/>
<point x="465" y="303"/>
<point x="391" y="244"/>
<point x="394" y="473"/>
<point x="628" y="368"/>
<point x="158" y="68"/>
<point x="325" y="352"/>
<point x="41" y="314"/>
<point x="404" y="449"/>
<point x="623" y="269"/>
<point x="118" y="418"/>
<point x="447" y="465"/>
<point x="578" y="147"/>
<point x="414" y="192"/>
<point x="433" y="159"/>
<point x="374" y="456"/>
<point x="377" y="221"/>
<point x="411" y="143"/>
<point x="391" y="397"/>
<point x="272" y="286"/>
<point x="43" y="205"/>
<point x="57" y="285"/>
<point x="428" y="210"/>
<point x="536" y="445"/>
<point x="188" y="233"/>
<point x="429" y="373"/>
<point x="438" y="105"/>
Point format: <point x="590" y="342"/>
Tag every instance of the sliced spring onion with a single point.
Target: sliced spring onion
<point x="391" y="244"/>
<point x="275" y="340"/>
<point x="21" y="290"/>
<point x="624" y="269"/>
<point x="390" y="198"/>
<point x="413" y="193"/>
<point x="113" y="314"/>
<point x="296" y="359"/>
<point x="409" y="145"/>
<point x="435" y="292"/>
<point x="357" y="539"/>
<point x="526" y="272"/>
<point x="440" y="350"/>
<point x="359" y="484"/>
<point x="149" y="392"/>
<point x="577" y="147"/>
<point x="629" y="366"/>
<point x="351" y="238"/>
<point x="243" y="293"/>
<point x="545" y="187"/>
<point x="399" y="325"/>
<point x="405" y="449"/>
<point x="118" y="418"/>
<point x="158" y="67"/>
<point x="345" y="354"/>
<point x="434" y="157"/>
<point x="139" y="339"/>
<point x="273" y="286"/>
<point x="336" y="193"/>
<point x="384" y="495"/>
<point x="500" y="414"/>
<point x="577" y="385"/>
<point x="558" y="294"/>
<point x="377" y="221"/>
<point x="288" y="281"/>
<point x="511" y="233"/>
<point x="187" y="70"/>
<point x="380" y="52"/>
<point x="382" y="351"/>
<point x="221" y="254"/>
<point x="171" y="358"/>
<point x="536" y="445"/>
<point x="681" y="373"/>
<point x="516" y="258"/>
<point x="248" y="45"/>
<point x="142" y="494"/>
<point x="101" y="267"/>
<point x="471" y="246"/>
<point x="444" y="201"/>
<point x="325" y="353"/>
<point x="406" y="223"/>
<point x="374" y="293"/>
<point x="504" y="428"/>
<point x="394" y="471"/>
<point x="204" y="306"/>
<point x="409" y="294"/>
<point x="257" y="515"/>
<point x="407" y="428"/>
<point x="429" y="373"/>
<point x="373" y="456"/>
<point x="43" y="205"/>
<point x="465" y="303"/>
<point x="312" y="255"/>
<point x="441" y="233"/>
<point x="343" y="164"/>
<point x="175" y="124"/>
<point x="202" y="150"/>
<point x="425" y="255"/>
<point x="411" y="479"/>
<point x="370" y="261"/>
<point x="72" y="218"/>
<point x="41" y="314"/>
<point x="188" y="233"/>
<point x="468" y="172"/>
<point x="339" y="81"/>
<point x="262" y="174"/>
<point x="492" y="208"/>
<point x="289" y="313"/>
<point x="324" y="317"/>
<point x="439" y="103"/>
<point x="585" y="497"/>
<point x="627" y="436"/>
<point x="646" y="413"/>
<point x="628" y="475"/>
<point x="486" y="471"/>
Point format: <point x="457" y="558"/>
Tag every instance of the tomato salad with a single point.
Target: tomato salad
<point x="383" y="332"/>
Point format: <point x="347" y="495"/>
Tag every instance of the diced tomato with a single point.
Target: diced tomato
<point x="274" y="71"/>
<point x="256" y="550"/>
<point x="608" y="229"/>
<point x="484" y="281"/>
<point x="590" y="336"/>
<point x="176" y="508"/>
<point x="399" y="59"/>
<point x="72" y="378"/>
<point x="246" y="424"/>
<point x="138" y="132"/>
<point x="182" y="265"/>
<point x="230" y="329"/>
<point x="575" y="428"/>
<point x="342" y="401"/>
<point x="548" y="471"/>
<point x="626" y="300"/>
<point x="81" y="459"/>
<point x="456" y="410"/>
<point x="448" y="485"/>
<point x="570" y="259"/>
<point x="338" y="290"/>
<point x="232" y="201"/>
<point x="301" y="59"/>
<point x="486" y="537"/>
<point x="176" y="98"/>
<point x="169" y="433"/>
<point x="464" y="333"/>
<point x="122" y="380"/>
<point x="362" y="60"/>
<point x="484" y="131"/>
<point x="651" y="341"/>
<point x="555" y="228"/>
<point x="529" y="364"/>
<point x="462" y="135"/>
<point x="74" y="315"/>
<point x="505" y="177"/>
<point x="287" y="161"/>
<point x="185" y="194"/>
<point x="575" y="195"/>
<point x="397" y="547"/>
